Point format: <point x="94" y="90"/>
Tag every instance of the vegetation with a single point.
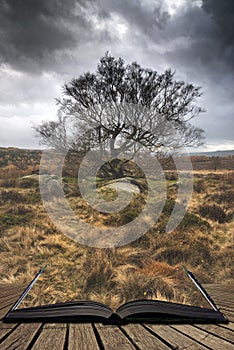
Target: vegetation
<point x="203" y="242"/>
<point x="120" y="110"/>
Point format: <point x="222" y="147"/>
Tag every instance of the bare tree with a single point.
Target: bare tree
<point x="216" y="162"/>
<point x="123" y="108"/>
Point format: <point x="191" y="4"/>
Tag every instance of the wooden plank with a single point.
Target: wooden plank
<point x="226" y="309"/>
<point x="12" y="294"/>
<point x="52" y="336"/>
<point x="6" y="328"/>
<point x="224" y="301"/>
<point x="222" y="304"/>
<point x="224" y="297"/>
<point x="218" y="287"/>
<point x="21" y="337"/>
<point x="230" y="326"/>
<point x="8" y="300"/>
<point x="15" y="293"/>
<point x="6" y="303"/>
<point x="82" y="337"/>
<point x="143" y="338"/>
<point x="113" y="338"/>
<point x="8" y="287"/>
<point x="176" y="339"/>
<point x="219" y="331"/>
<point x="221" y="293"/>
<point x="221" y="287"/>
<point x="228" y="314"/>
<point x="4" y="310"/>
<point x="204" y="337"/>
<point x="225" y="306"/>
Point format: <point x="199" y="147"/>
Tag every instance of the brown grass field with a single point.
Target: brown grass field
<point x="203" y="242"/>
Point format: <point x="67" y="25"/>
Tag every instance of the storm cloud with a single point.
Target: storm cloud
<point x="32" y="31"/>
<point x="44" y="43"/>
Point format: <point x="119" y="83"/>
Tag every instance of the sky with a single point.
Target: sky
<point x="46" y="43"/>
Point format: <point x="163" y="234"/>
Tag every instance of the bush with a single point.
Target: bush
<point x="224" y="197"/>
<point x="190" y="220"/>
<point x="8" y="183"/>
<point x="8" y="220"/>
<point x="199" y="186"/>
<point x="171" y="176"/>
<point x="212" y="176"/>
<point x="194" y="253"/>
<point x="71" y="190"/>
<point x="18" y="210"/>
<point x="214" y="212"/>
<point x="28" y="183"/>
<point x="33" y="197"/>
<point x="11" y="196"/>
<point x="128" y="215"/>
<point x="168" y="207"/>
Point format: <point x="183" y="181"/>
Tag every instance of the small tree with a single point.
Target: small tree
<point x="216" y="162"/>
<point x="123" y="108"/>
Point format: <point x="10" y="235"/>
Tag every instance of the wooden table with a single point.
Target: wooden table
<point x="72" y="336"/>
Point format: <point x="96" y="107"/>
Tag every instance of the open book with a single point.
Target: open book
<point x="150" y="311"/>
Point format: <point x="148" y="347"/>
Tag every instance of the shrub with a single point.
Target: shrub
<point x="33" y="197"/>
<point x="214" y="212"/>
<point x="190" y="220"/>
<point x="128" y="215"/>
<point x="194" y="253"/>
<point x="71" y="190"/>
<point x="110" y="220"/>
<point x="8" y="183"/>
<point x="199" y="186"/>
<point x="168" y="207"/>
<point x="18" y="210"/>
<point x="27" y="183"/>
<point x="212" y="176"/>
<point x="224" y="197"/>
<point x="171" y="176"/>
<point x="8" y="220"/>
<point x="11" y="196"/>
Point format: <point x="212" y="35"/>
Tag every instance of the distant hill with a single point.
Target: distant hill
<point x="214" y="153"/>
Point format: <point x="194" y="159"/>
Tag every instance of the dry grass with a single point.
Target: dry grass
<point x="113" y="276"/>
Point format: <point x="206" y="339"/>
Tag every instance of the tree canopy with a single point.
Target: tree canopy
<point x="124" y="107"/>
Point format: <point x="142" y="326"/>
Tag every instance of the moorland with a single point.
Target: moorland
<point x="203" y="241"/>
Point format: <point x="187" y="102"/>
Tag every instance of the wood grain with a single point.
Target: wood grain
<point x="82" y="337"/>
<point x="52" y="336"/>
<point x="113" y="338"/>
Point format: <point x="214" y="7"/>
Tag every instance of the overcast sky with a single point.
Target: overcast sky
<point x="45" y="43"/>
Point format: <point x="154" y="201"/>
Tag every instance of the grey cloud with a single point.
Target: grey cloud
<point x="137" y="13"/>
<point x="16" y="133"/>
<point x="30" y="31"/>
<point x="222" y="12"/>
<point x="200" y="36"/>
<point x="66" y="38"/>
<point x="209" y="35"/>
